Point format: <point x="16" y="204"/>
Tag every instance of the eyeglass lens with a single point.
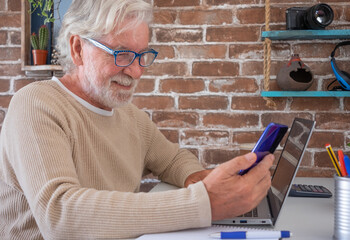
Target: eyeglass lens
<point x="125" y="58"/>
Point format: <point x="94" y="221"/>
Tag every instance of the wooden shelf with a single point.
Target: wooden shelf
<point x="305" y="93"/>
<point x="32" y="70"/>
<point x="41" y="68"/>
<point x="306" y="34"/>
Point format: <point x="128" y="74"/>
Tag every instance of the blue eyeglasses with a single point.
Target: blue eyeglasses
<point x="124" y="58"/>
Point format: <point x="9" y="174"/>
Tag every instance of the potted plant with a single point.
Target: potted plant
<point x="39" y="44"/>
<point x="45" y="7"/>
<point x="40" y="41"/>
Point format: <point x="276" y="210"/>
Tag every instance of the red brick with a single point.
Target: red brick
<point x="171" y="135"/>
<point x="319" y="139"/>
<point x="256" y="103"/>
<point x="338" y="121"/>
<point x="251" y="15"/>
<point x="322" y="159"/>
<point x="234" y="85"/>
<point x="10" y="70"/>
<point x="215" y="69"/>
<point x="145" y="86"/>
<point x="203" y="102"/>
<point x="5" y="101"/>
<point x="15" y="38"/>
<point x="10" y="54"/>
<point x="195" y="137"/>
<point x="177" y="3"/>
<point x="176" y="119"/>
<point x="3" y="5"/>
<point x="14" y="5"/>
<point x="283" y="118"/>
<point x="20" y="83"/>
<point x="167" y="68"/>
<point x="164" y="17"/>
<point x="245" y="140"/>
<point x="250" y="68"/>
<point x="307" y="50"/>
<point x="347" y="14"/>
<point x="256" y="51"/>
<point x="164" y="52"/>
<point x="179" y="35"/>
<point x="232" y="2"/>
<point x="181" y="85"/>
<point x="315" y="172"/>
<point x="315" y="104"/>
<point x="154" y="102"/>
<point x="234" y="120"/>
<point x="218" y="156"/>
<point x="254" y="15"/>
<point x="233" y="34"/>
<point x="10" y="20"/>
<point x="322" y="68"/>
<point x="200" y="17"/>
<point x="4" y="85"/>
<point x="3" y="37"/>
<point x="202" y="51"/>
<point x="347" y="104"/>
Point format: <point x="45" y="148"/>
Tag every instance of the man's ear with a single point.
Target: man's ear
<point x="76" y="50"/>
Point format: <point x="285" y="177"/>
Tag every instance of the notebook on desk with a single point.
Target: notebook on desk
<point x="269" y="209"/>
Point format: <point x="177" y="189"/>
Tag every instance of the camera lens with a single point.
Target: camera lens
<point x="319" y="16"/>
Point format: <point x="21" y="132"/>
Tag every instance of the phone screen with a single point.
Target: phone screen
<point x="267" y="143"/>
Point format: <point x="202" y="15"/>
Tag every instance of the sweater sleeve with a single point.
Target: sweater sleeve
<point x="37" y="145"/>
<point x="165" y="159"/>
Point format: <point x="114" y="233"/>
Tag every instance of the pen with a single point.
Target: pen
<point x="251" y="235"/>
<point x="342" y="163"/>
<point x="333" y="158"/>
<point x="347" y="163"/>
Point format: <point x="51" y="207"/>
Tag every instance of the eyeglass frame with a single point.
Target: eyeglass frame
<point x="116" y="52"/>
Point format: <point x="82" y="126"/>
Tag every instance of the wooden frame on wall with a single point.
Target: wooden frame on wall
<point x="26" y="47"/>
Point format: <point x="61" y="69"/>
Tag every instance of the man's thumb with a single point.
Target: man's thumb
<point x="239" y="163"/>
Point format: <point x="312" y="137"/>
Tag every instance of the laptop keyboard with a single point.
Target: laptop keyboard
<point x="252" y="213"/>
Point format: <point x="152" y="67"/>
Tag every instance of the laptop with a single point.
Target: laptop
<point x="267" y="212"/>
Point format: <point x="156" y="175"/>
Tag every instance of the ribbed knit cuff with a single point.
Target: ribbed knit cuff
<point x="203" y="202"/>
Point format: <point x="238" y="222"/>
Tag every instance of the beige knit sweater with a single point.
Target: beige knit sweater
<point x="71" y="171"/>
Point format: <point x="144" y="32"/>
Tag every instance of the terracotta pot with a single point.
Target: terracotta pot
<point x="39" y="56"/>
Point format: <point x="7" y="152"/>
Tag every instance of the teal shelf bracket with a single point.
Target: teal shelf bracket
<point x="306" y="34"/>
<point x="305" y="93"/>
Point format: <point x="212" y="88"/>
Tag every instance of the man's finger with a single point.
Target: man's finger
<point x="233" y="166"/>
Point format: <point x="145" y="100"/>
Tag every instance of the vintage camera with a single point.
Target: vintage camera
<point x="316" y="17"/>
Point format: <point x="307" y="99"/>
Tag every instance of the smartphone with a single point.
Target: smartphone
<point x="267" y="143"/>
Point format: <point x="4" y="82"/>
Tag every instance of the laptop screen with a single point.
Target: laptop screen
<point x="288" y="163"/>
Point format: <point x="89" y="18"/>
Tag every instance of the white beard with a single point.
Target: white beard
<point x="105" y="93"/>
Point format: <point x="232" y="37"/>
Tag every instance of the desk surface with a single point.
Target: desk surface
<point x="306" y="218"/>
<point x="309" y="218"/>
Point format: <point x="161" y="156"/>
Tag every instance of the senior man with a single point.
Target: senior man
<point x="74" y="149"/>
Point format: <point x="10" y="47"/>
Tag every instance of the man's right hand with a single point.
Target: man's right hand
<point x="231" y="194"/>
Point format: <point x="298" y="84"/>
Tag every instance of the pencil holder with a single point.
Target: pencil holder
<point x="341" y="208"/>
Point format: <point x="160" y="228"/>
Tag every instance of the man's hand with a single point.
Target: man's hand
<point x="196" y="177"/>
<point x="231" y="194"/>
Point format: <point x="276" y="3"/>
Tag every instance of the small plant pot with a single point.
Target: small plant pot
<point x="39" y="56"/>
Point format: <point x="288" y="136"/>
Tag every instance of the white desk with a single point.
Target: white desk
<point x="306" y="218"/>
<point x="309" y="218"/>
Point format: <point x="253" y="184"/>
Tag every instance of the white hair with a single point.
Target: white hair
<point x="97" y="18"/>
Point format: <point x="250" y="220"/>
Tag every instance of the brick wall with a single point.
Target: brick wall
<point x="204" y="89"/>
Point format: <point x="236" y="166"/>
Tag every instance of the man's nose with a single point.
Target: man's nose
<point x="134" y="70"/>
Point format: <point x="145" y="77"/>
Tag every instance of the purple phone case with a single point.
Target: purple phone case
<point x="267" y="143"/>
